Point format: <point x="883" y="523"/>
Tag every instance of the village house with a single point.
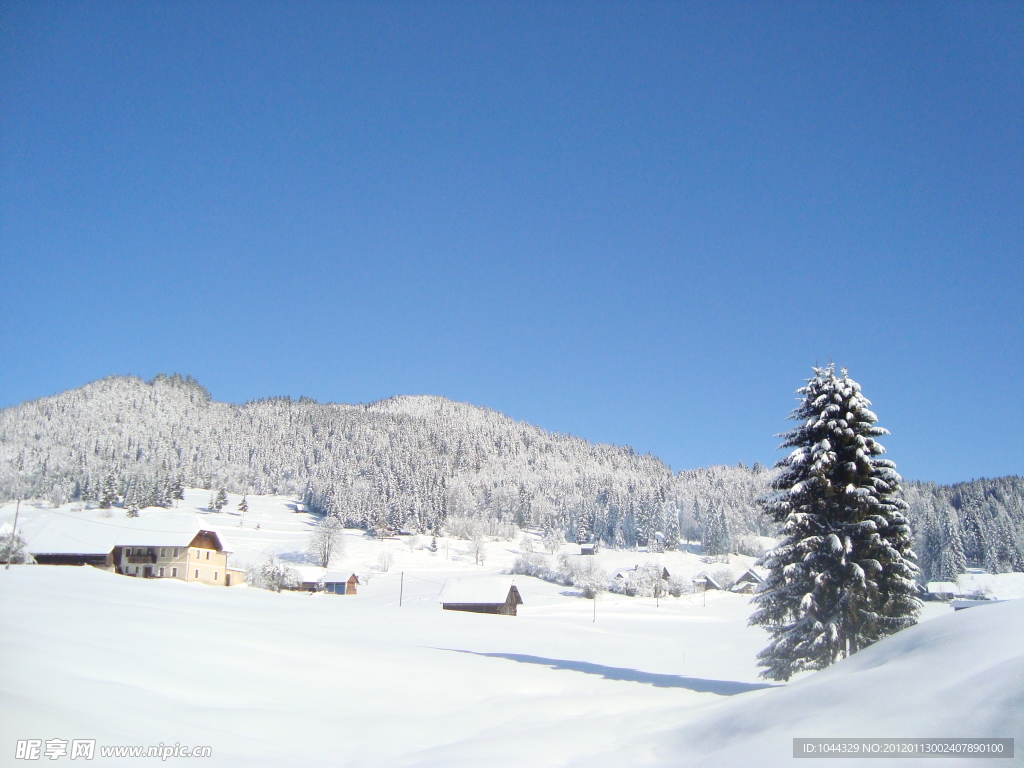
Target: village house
<point x="749" y="581"/>
<point x="156" y="547"/>
<point x="481" y="594"/>
<point x="189" y="557"/>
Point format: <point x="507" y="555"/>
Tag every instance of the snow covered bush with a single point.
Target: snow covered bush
<point x="538" y="566"/>
<point x="677" y="585"/>
<point x="584" y="573"/>
<point x="12" y="546"/>
<point x="723" y="576"/>
<point x="645" y="581"/>
<point x="271" y="575"/>
<point x="553" y="539"/>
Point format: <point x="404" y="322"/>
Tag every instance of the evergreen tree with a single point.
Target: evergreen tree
<point x="951" y="562"/>
<point x="108" y="493"/>
<point x="243" y="506"/>
<point x="716" y="539"/>
<point x="176" y="491"/>
<point x="842" y="576"/>
<point x="222" y="499"/>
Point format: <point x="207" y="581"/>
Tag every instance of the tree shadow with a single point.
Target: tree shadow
<point x="697" y="684"/>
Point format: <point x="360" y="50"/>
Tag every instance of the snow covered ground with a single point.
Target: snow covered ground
<point x="290" y="679"/>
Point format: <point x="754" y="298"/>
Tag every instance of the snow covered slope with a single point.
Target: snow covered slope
<point x="289" y="679"/>
<point x="959" y="675"/>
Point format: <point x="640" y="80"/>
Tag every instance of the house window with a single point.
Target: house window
<point x="161" y="573"/>
<point x="128" y="551"/>
<point x="198" y="553"/>
<point x="175" y="551"/>
<point x="197" y="573"/>
<point x="207" y="554"/>
<point x="174" y="573"/>
<point x="163" y="552"/>
<point x="214" y="575"/>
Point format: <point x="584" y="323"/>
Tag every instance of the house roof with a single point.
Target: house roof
<point x="64" y="534"/>
<point x="942" y="587"/>
<point x="710" y="581"/>
<point x="309" y="574"/>
<point x="339" y="577"/>
<point x="487" y="590"/>
<point x="753" y="574"/>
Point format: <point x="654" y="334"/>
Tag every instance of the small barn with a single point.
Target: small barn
<point x="340" y="583"/>
<point x="481" y="594"/>
<point x="705" y="583"/>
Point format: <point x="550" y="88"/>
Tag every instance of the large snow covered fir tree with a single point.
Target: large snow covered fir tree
<point x="842" y="574"/>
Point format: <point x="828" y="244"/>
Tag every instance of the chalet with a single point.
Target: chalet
<point x="481" y="594"/>
<point x="154" y="547"/>
<point x="340" y="583"/>
<point x="749" y="582"/>
<point x="188" y="556"/>
<point x="587" y="549"/>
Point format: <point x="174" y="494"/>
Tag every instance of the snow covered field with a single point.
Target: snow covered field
<point x="287" y="679"/>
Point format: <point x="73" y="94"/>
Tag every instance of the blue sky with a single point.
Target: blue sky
<point x="639" y="223"/>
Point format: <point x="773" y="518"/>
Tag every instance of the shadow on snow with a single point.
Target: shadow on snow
<point x="697" y="684"/>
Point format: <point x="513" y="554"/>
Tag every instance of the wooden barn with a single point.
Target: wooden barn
<point x="481" y="594"/>
<point x="706" y="583"/>
<point x="340" y="583"/>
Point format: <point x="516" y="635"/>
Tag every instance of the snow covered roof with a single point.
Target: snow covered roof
<point x="942" y="587"/>
<point x="309" y="574"/>
<point x="64" y="534"/>
<point x="754" y="574"/>
<point x="488" y="590"/>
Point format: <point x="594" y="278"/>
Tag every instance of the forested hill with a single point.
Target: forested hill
<point x="422" y="462"/>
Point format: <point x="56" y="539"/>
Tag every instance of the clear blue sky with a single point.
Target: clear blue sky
<point x="640" y="223"/>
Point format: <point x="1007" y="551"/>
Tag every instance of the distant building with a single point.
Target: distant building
<point x="942" y="590"/>
<point x="481" y="594"/>
<point x="200" y="557"/>
<point x="749" y="581"/>
<point x="705" y="583"/>
<point x="340" y="583"/>
<point x="157" y="547"/>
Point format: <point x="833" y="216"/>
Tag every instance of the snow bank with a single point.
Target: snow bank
<point x="959" y="675"/>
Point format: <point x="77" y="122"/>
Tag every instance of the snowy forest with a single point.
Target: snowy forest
<point x="428" y="464"/>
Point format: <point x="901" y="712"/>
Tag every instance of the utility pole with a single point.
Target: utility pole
<point x="401" y="589"/>
<point x="14" y="530"/>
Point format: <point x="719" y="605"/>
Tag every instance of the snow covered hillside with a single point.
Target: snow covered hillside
<point x="426" y="463"/>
